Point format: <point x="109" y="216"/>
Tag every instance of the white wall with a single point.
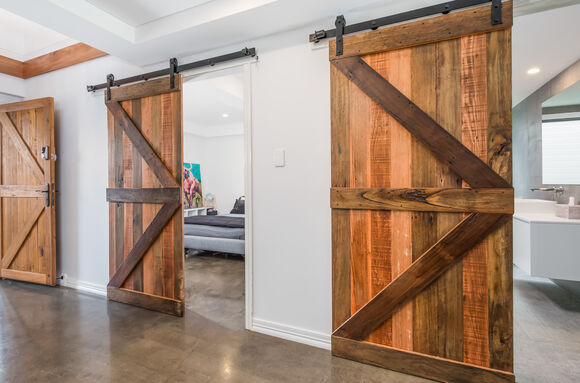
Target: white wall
<point x="222" y="166"/>
<point x="81" y="171"/>
<point x="193" y="148"/>
<point x="11" y="86"/>
<point x="292" y="241"/>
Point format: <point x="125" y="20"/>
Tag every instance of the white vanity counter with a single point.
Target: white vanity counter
<point x="545" y="245"/>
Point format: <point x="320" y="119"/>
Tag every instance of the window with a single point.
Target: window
<point x="561" y="152"/>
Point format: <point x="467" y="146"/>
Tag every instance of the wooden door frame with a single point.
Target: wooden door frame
<point x="349" y="331"/>
<point x="245" y="67"/>
<point x="47" y="104"/>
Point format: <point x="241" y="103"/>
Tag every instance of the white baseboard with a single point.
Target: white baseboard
<point x="295" y="334"/>
<point x="87" y="287"/>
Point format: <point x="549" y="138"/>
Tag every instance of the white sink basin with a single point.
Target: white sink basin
<point x="539" y="210"/>
<point x="545" y="245"/>
<point x="538" y="206"/>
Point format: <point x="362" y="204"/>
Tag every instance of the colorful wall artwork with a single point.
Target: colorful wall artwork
<point x="192" y="185"/>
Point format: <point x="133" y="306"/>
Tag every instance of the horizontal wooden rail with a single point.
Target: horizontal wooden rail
<point x="23" y="191"/>
<point x="482" y="200"/>
<point x="148" y="301"/>
<point x="414" y="363"/>
<point x="143" y="195"/>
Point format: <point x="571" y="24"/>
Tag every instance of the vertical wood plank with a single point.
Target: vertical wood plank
<point x="137" y="223"/>
<point x="148" y="210"/>
<point x="167" y="155"/>
<point x="399" y="74"/>
<point x="449" y="285"/>
<point x="340" y="166"/>
<point x="128" y="239"/>
<point x="500" y="273"/>
<point x="381" y="225"/>
<point x="111" y="137"/>
<point x="156" y="145"/>
<point x="48" y="122"/>
<point x="178" y="249"/>
<point x="424" y="174"/>
<point x="360" y="123"/>
<point x="118" y="167"/>
<point x="474" y="135"/>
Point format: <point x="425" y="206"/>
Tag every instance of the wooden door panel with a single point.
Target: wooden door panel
<point x="145" y="166"/>
<point x="27" y="191"/>
<point x="421" y="176"/>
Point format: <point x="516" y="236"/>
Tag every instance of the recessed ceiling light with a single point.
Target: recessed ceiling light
<point x="534" y="70"/>
<point x="225" y="115"/>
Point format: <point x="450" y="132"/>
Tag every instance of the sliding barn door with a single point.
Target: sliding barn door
<point x="421" y="197"/>
<point x="27" y="211"/>
<point x="146" y="253"/>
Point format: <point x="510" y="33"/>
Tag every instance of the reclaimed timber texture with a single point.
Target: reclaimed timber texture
<point x="413" y="363"/>
<point x="485" y="200"/>
<point x="145" y="175"/>
<point x="27" y="223"/>
<point x="431" y="30"/>
<point x="59" y="59"/>
<point x="426" y="269"/>
<point x="421" y="183"/>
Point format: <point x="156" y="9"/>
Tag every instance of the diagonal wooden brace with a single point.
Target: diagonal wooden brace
<point x="446" y="147"/>
<point x="430" y="265"/>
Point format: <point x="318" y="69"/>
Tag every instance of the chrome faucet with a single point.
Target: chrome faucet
<point x="556" y="189"/>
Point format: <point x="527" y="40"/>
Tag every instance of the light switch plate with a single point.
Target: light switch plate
<point x="279" y="157"/>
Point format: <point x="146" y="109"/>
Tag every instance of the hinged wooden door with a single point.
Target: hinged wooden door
<point x="146" y="254"/>
<point x="27" y="218"/>
<point x="421" y="176"/>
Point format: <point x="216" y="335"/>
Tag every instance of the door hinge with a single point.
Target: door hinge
<point x="496" y="17"/>
<point x="340" y="23"/>
<point x="110" y="83"/>
<point x="172" y="72"/>
<point x="47" y="195"/>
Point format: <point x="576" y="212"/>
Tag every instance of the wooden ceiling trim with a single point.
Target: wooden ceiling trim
<point x="11" y="67"/>
<point x="62" y="58"/>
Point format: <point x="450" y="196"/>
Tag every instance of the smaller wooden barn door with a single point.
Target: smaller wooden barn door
<point x="146" y="254"/>
<point x="27" y="211"/>
<point x="421" y="197"/>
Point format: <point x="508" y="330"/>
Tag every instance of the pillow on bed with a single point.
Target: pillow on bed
<point x="239" y="206"/>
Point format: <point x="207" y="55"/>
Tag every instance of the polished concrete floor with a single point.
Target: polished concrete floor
<point x="60" y="335"/>
<point x="546" y="331"/>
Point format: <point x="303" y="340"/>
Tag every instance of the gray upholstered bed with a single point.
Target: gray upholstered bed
<point x="212" y="237"/>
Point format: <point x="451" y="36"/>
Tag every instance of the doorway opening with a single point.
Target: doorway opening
<point x="217" y="200"/>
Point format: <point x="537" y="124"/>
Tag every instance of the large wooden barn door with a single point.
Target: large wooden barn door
<point x="146" y="254"/>
<point x="27" y="178"/>
<point x="421" y="176"/>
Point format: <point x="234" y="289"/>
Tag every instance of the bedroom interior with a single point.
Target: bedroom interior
<point x="289" y="191"/>
<point x="214" y="195"/>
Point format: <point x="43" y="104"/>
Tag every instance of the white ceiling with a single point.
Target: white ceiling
<point x="149" y="31"/>
<point x="208" y="26"/>
<point x="206" y="99"/>
<point x="547" y="40"/>
<point x="138" y="12"/>
<point x="21" y="39"/>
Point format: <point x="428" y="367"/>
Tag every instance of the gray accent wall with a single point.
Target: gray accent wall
<point x="527" y="138"/>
